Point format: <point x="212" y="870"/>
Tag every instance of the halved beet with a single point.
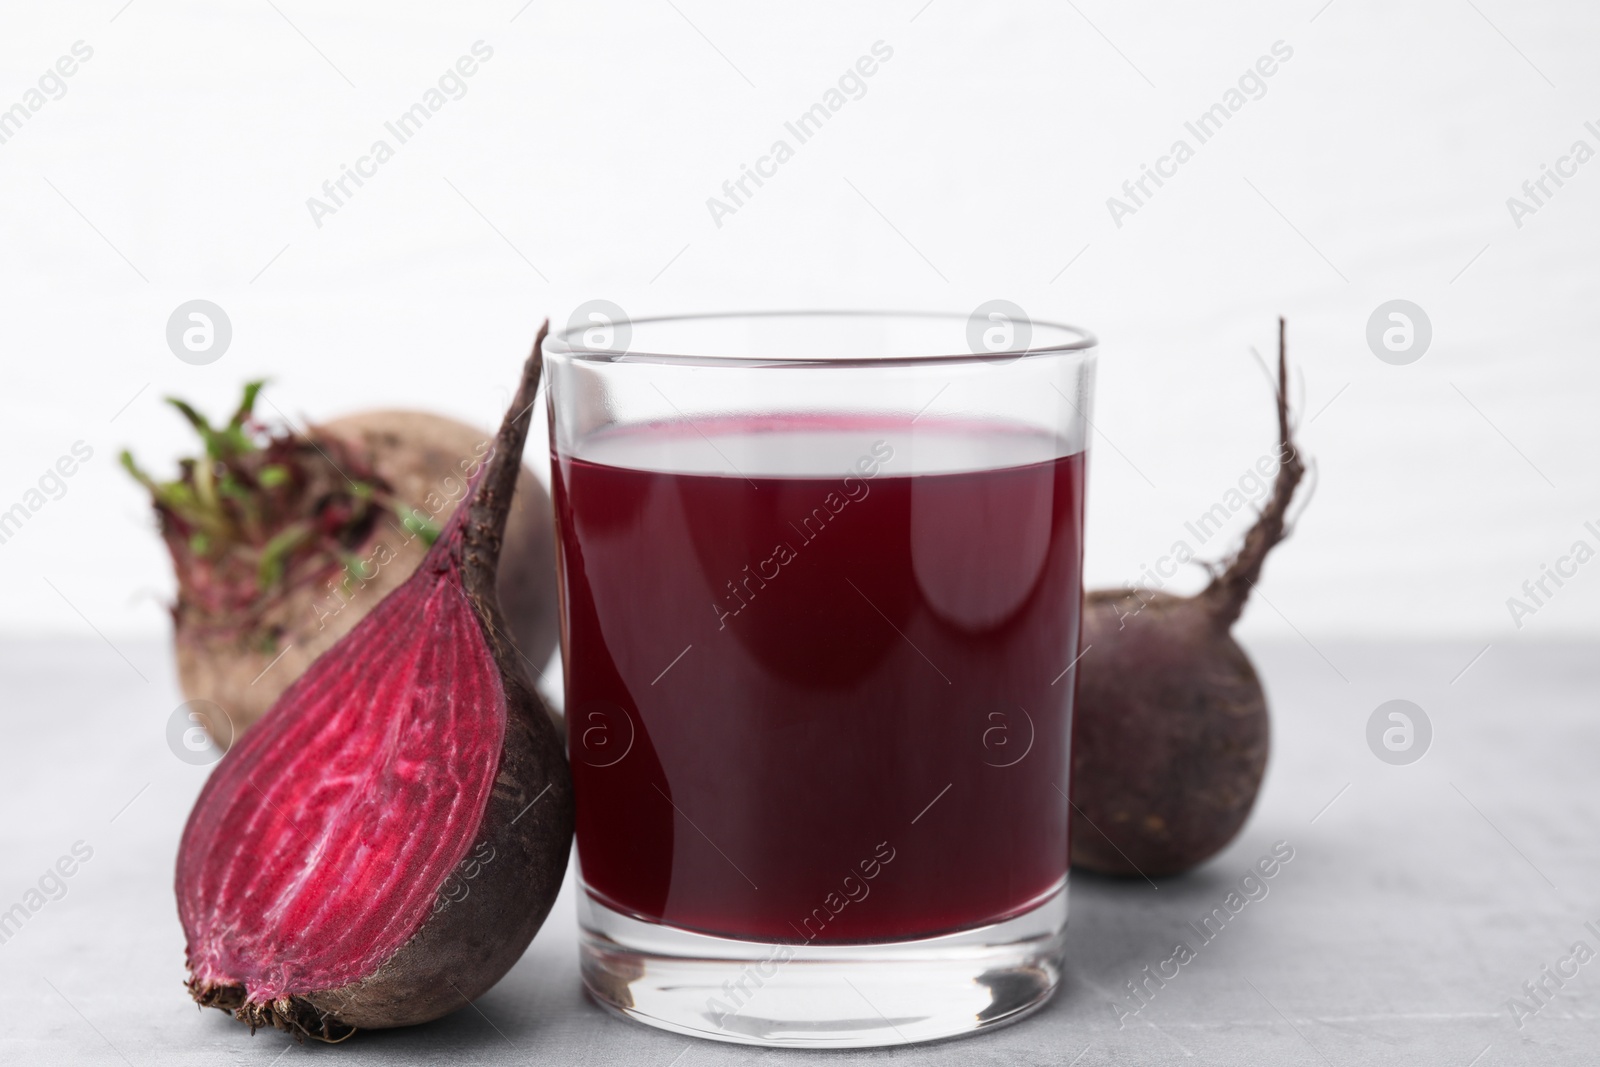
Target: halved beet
<point x="384" y="844"/>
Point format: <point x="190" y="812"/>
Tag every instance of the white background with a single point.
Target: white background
<point x="977" y="165"/>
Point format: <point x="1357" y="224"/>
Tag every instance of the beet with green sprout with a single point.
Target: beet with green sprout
<point x="282" y="540"/>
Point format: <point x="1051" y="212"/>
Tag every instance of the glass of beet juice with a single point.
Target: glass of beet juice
<point x="821" y="587"/>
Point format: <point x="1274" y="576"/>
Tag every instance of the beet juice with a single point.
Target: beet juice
<point x="822" y="699"/>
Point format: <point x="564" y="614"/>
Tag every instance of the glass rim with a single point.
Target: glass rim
<point x="557" y="343"/>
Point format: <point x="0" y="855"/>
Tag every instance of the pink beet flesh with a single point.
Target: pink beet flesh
<point x="318" y="846"/>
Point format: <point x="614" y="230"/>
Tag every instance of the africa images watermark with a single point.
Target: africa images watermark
<point x="753" y="976"/>
<point x="1538" y="591"/>
<point x="436" y="508"/>
<point x="1205" y="126"/>
<point x="1538" y="191"/>
<point x="407" y="125"/>
<point x="52" y="485"/>
<point x="810" y="122"/>
<point x="457" y="886"/>
<point x="1540" y="990"/>
<point x="52" y="85"/>
<point x="52" y="885"/>
<point x="1252" y="486"/>
<point x="1252" y="887"/>
<point x="853" y="488"/>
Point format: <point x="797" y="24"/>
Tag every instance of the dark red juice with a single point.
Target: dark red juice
<point x="827" y="706"/>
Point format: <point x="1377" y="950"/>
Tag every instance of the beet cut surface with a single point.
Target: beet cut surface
<point x="383" y="845"/>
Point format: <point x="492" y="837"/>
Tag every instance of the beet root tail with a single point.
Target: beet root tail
<point x="1225" y="597"/>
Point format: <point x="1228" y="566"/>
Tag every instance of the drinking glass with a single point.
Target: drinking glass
<point x="820" y="593"/>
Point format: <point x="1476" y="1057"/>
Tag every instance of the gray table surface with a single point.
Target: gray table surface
<point x="1419" y="900"/>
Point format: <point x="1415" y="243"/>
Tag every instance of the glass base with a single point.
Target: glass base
<point x="822" y="996"/>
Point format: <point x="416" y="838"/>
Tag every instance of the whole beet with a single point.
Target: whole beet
<point x="271" y="572"/>
<point x="1170" y="730"/>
